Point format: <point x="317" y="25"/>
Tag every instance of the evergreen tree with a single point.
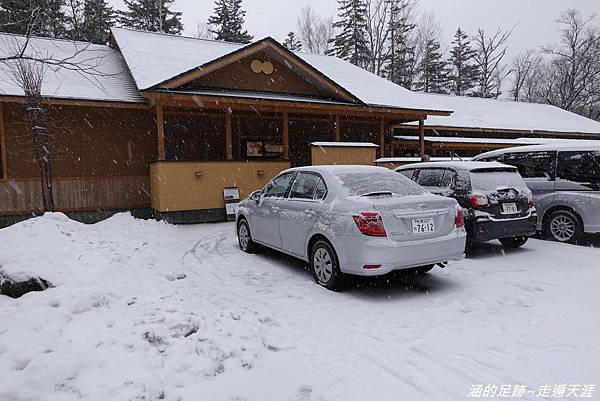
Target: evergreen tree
<point x="434" y="71"/>
<point x="292" y="42"/>
<point x="400" y="69"/>
<point x="151" y="15"/>
<point x="98" y="17"/>
<point x="465" y="73"/>
<point x="227" y="22"/>
<point x="350" y="43"/>
<point x="37" y="17"/>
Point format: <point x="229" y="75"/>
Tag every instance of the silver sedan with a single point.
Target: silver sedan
<point x="357" y="220"/>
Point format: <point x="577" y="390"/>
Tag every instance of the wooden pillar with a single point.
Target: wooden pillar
<point x="228" y="135"/>
<point x="422" y="137"/>
<point x="381" y="137"/>
<point x="160" y="129"/>
<point x="338" y="135"/>
<point x="285" y="136"/>
<point x="3" y="152"/>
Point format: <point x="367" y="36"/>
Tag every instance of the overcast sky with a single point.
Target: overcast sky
<point x="535" y="18"/>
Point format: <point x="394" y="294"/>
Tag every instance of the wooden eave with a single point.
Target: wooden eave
<point x="77" y="102"/>
<point x="493" y="130"/>
<point x="173" y="99"/>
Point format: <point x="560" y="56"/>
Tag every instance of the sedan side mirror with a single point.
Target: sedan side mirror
<point x="255" y="196"/>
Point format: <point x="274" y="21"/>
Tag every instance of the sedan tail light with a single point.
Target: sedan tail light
<point x="370" y="223"/>
<point x="459" y="220"/>
<point x="479" y="201"/>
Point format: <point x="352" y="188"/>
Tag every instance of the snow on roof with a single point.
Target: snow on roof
<point x="345" y="144"/>
<point x="461" y="165"/>
<point x="470" y="112"/>
<point x="567" y="145"/>
<point x="456" y="139"/>
<point x="155" y="57"/>
<point x="253" y="95"/>
<point x="418" y="159"/>
<point x="106" y="79"/>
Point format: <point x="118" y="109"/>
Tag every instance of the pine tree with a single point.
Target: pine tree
<point x="151" y="15"/>
<point x="36" y="17"/>
<point x="98" y="17"/>
<point x="227" y="22"/>
<point x="434" y="71"/>
<point x="292" y="42"/>
<point x="400" y="69"/>
<point x="465" y="73"/>
<point x="350" y="42"/>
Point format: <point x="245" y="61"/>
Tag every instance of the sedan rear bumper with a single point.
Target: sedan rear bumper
<point x="356" y="252"/>
<point x="487" y="229"/>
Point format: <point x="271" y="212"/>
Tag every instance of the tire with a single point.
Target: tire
<point x="564" y="226"/>
<point x="325" y="266"/>
<point x="514" y="242"/>
<point x="245" y="237"/>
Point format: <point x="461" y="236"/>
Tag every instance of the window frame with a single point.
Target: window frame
<point x="287" y="190"/>
<point x="312" y="200"/>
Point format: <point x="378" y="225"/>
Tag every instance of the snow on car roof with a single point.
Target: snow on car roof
<point x="341" y="169"/>
<point x="106" y="79"/>
<point x="458" y="165"/>
<point x="154" y="58"/>
<point x="345" y="144"/>
<point x="563" y="145"/>
<point x="418" y="159"/>
<point x="471" y="112"/>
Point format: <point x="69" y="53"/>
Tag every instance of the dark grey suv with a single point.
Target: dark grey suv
<point x="565" y="181"/>
<point x="496" y="202"/>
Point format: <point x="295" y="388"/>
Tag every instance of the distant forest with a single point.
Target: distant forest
<point x="390" y="38"/>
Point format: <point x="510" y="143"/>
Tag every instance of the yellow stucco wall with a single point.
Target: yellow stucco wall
<point x="326" y="155"/>
<point x="176" y="186"/>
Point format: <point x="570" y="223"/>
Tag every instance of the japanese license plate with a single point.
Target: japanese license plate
<point x="509" y="208"/>
<point x="423" y="226"/>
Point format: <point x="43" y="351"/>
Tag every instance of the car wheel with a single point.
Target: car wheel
<point x="325" y="266"/>
<point x="564" y="226"/>
<point x="245" y="237"/>
<point x="514" y="242"/>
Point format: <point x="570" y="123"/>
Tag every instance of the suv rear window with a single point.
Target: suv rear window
<point x="490" y="180"/>
<point x="364" y="183"/>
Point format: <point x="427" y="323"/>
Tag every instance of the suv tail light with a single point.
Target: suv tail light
<point x="370" y="223"/>
<point x="459" y="220"/>
<point x="479" y="201"/>
<point x="530" y="200"/>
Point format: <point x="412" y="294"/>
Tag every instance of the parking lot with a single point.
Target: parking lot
<point x="171" y="312"/>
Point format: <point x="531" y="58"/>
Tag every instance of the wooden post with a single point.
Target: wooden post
<point x="338" y="136"/>
<point x="381" y="137"/>
<point x="160" y="128"/>
<point x="3" y="152"/>
<point x="285" y="136"/>
<point x="422" y="137"/>
<point x="228" y="135"/>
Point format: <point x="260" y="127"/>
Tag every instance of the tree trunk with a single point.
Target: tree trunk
<point x="41" y="143"/>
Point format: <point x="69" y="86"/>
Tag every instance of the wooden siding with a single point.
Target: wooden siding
<point x="23" y="196"/>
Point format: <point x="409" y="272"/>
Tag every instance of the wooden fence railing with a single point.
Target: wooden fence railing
<point x="22" y="196"/>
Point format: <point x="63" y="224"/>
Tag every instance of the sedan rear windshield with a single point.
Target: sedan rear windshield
<point x="358" y="184"/>
<point x="491" y="180"/>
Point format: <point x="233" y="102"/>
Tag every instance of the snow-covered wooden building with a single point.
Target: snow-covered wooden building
<point x="479" y="125"/>
<point x="160" y="124"/>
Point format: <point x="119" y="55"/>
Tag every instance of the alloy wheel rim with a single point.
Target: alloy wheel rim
<point x="323" y="265"/>
<point x="244" y="236"/>
<point x="562" y="228"/>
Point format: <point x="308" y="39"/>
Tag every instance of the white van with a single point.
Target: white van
<point x="565" y="181"/>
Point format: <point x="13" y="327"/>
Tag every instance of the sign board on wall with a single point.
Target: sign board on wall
<point x="232" y="201"/>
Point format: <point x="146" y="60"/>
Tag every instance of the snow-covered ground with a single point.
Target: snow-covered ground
<point x="122" y="323"/>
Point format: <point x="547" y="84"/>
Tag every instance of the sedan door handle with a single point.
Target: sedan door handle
<point x="310" y="213"/>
